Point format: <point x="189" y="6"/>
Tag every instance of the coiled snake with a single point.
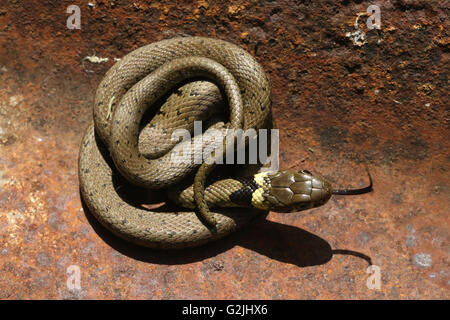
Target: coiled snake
<point x="187" y="78"/>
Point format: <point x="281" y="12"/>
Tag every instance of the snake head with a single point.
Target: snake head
<point x="292" y="191"/>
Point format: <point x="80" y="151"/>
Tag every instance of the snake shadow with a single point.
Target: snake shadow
<point x="277" y="241"/>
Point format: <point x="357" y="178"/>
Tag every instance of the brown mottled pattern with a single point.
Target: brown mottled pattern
<point x="129" y="87"/>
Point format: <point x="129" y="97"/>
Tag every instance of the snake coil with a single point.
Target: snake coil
<point x="175" y="68"/>
<point x="186" y="79"/>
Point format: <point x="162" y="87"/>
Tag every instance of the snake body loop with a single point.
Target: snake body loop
<point x="180" y="81"/>
<point x="177" y="69"/>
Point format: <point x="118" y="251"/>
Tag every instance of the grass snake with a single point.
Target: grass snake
<point x="175" y="82"/>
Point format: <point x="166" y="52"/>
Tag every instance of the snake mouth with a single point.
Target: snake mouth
<point x="294" y="208"/>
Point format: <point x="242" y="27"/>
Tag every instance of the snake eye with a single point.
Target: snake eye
<point x="306" y="171"/>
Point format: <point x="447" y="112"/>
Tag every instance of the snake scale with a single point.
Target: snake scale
<point x="178" y="81"/>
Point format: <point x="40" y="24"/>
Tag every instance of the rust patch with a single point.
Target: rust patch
<point x="339" y="105"/>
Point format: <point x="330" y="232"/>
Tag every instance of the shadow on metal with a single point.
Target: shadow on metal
<point x="274" y="240"/>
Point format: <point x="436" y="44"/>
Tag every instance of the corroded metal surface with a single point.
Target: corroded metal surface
<point x="344" y="96"/>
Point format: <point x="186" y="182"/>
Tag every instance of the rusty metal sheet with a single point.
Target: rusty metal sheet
<point x="345" y="96"/>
